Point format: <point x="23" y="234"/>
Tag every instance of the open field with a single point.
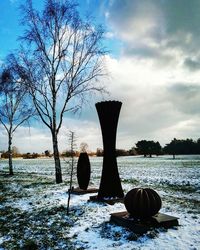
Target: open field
<point x="33" y="207"/>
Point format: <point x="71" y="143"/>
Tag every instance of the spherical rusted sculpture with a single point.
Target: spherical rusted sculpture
<point x="142" y="202"/>
<point x="83" y="171"/>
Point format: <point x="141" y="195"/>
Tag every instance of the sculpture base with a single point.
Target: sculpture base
<point x="110" y="201"/>
<point x="80" y="191"/>
<point x="141" y="227"/>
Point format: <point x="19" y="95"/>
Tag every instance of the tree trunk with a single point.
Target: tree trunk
<point x="58" y="171"/>
<point x="10" y="153"/>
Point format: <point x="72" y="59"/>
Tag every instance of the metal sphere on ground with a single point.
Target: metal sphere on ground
<point x="142" y="202"/>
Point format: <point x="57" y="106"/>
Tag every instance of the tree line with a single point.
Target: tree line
<point x="47" y="153"/>
<point x="143" y="147"/>
<point x="181" y="147"/>
<point x="149" y="148"/>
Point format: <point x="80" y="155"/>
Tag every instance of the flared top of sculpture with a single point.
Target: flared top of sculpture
<point x="108" y="103"/>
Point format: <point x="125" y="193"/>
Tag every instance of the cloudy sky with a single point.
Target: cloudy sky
<point x="153" y="65"/>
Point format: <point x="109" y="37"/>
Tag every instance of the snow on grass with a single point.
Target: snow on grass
<point x="33" y="207"/>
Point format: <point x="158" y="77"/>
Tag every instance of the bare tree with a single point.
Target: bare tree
<point x="15" y="107"/>
<point x="83" y="147"/>
<point x="71" y="164"/>
<point x="61" y="60"/>
<point x="15" y="151"/>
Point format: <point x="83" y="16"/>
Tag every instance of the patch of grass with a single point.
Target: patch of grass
<point x="111" y="231"/>
<point x="30" y="245"/>
<point x="43" y="227"/>
<point x="2" y="193"/>
<point x="130" y="181"/>
<point x="2" y="199"/>
<point x="187" y="188"/>
<point x="47" y="228"/>
<point x="38" y="184"/>
<point x="182" y="188"/>
<point x="191" y="205"/>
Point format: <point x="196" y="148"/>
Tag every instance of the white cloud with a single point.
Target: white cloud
<point x="153" y="102"/>
<point x="38" y="139"/>
<point x="158" y="104"/>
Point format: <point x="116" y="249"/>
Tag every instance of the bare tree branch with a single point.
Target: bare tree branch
<point x="61" y="60"/>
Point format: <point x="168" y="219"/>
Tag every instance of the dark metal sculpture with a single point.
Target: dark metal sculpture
<point x="83" y="171"/>
<point x="110" y="185"/>
<point x="142" y="202"/>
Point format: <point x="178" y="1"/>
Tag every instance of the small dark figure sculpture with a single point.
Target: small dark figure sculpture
<point x="110" y="185"/>
<point x="83" y="171"/>
<point x="142" y="203"/>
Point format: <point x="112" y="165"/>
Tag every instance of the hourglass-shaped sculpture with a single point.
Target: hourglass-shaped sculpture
<point x="110" y="185"/>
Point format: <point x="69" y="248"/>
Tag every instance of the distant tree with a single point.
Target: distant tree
<point x="99" y="152"/>
<point x="180" y="147"/>
<point x="35" y="155"/>
<point x="188" y="146"/>
<point x="68" y="153"/>
<point x="198" y="146"/>
<point x="5" y="155"/>
<point x="132" y="151"/>
<point x="15" y="151"/>
<point x="15" y="107"/>
<point x="171" y="148"/>
<point x="148" y="148"/>
<point x="83" y="147"/>
<point x="142" y="147"/>
<point x="121" y="152"/>
<point x="30" y="156"/>
<point x="62" y="63"/>
<point x="156" y="148"/>
<point x="47" y="153"/>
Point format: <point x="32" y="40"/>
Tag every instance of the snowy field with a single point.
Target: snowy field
<point x="33" y="207"/>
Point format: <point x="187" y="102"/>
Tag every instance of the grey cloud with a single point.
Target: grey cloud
<point x="186" y="90"/>
<point x="181" y="15"/>
<point x="162" y="25"/>
<point x="148" y="53"/>
<point x="141" y="52"/>
<point x="185" y="97"/>
<point x="192" y="64"/>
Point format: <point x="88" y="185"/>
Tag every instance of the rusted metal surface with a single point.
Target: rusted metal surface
<point x="142" y="202"/>
<point x="142" y="226"/>
<point x="83" y="171"/>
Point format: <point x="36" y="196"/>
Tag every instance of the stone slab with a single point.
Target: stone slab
<point x="141" y="227"/>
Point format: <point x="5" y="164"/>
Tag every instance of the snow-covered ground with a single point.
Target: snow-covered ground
<point x="33" y="208"/>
